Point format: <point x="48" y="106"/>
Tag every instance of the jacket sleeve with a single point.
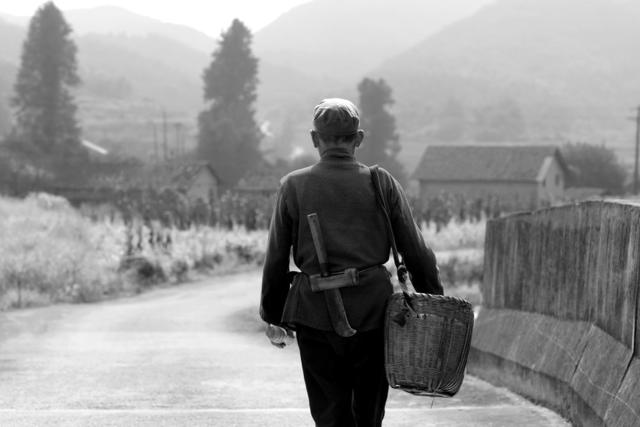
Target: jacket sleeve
<point x="275" y="283"/>
<point x="418" y="256"/>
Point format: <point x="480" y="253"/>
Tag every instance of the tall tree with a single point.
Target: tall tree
<point x="381" y="144"/>
<point x="229" y="137"/>
<point x="45" y="123"/>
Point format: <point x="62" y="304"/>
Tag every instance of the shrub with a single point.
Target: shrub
<point x="594" y="166"/>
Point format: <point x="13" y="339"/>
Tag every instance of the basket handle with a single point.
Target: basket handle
<point x="403" y="274"/>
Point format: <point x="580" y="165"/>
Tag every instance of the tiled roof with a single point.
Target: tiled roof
<point x="184" y="175"/>
<point x="481" y="162"/>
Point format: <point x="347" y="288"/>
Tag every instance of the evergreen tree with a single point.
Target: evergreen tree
<point x="229" y="137"/>
<point x="381" y="143"/>
<point x="45" y="125"/>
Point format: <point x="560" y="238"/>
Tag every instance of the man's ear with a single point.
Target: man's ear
<point x="359" y="137"/>
<point x="315" y="138"/>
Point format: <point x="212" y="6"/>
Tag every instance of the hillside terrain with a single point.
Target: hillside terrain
<point x="568" y="66"/>
<point x="119" y="21"/>
<point x="544" y="70"/>
<point x="343" y="40"/>
<point x="133" y="68"/>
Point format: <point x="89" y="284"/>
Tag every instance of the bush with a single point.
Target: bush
<point x="594" y="166"/>
<point x="456" y="271"/>
<point x="143" y="271"/>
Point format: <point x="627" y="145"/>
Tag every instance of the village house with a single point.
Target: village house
<point x="196" y="181"/>
<point x="519" y="177"/>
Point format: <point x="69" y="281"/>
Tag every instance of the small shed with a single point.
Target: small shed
<point x="519" y="176"/>
<point x="195" y="181"/>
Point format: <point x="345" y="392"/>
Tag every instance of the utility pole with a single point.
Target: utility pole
<point x="635" y="163"/>
<point x="156" y="154"/>
<point x="178" y="127"/>
<point x="164" y="135"/>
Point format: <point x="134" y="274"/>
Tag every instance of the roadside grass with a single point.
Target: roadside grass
<point x="50" y="253"/>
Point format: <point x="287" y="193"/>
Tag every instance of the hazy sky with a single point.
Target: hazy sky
<point x="210" y="16"/>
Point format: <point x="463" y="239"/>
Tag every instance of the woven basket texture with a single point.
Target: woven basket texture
<point x="427" y="340"/>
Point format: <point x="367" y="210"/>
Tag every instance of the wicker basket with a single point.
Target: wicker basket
<point x="427" y="340"/>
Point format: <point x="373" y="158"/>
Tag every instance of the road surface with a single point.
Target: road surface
<point x="191" y="355"/>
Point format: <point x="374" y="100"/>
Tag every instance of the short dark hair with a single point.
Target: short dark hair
<point x="337" y="139"/>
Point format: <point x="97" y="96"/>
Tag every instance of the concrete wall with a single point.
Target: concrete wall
<point x="561" y="316"/>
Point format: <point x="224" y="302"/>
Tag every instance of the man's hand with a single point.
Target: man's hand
<point x="279" y="336"/>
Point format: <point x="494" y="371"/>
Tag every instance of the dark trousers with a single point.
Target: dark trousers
<point x="345" y="378"/>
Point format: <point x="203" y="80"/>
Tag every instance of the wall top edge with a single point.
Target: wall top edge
<point x="589" y="204"/>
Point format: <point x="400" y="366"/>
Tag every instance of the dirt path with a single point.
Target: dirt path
<point x="189" y="355"/>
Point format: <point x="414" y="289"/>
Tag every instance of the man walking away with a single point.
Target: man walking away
<point x="328" y="215"/>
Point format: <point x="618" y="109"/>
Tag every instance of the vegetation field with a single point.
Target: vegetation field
<point x="50" y="252"/>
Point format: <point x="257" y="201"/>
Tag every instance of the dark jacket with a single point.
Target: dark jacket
<point x="340" y="191"/>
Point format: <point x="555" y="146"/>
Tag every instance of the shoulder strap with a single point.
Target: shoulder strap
<point x="375" y="177"/>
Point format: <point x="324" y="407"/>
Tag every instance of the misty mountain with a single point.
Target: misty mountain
<point x="11" y="37"/>
<point x="323" y="48"/>
<point x="127" y="81"/>
<point x="343" y="39"/>
<point x="154" y="67"/>
<point x="570" y="65"/>
<point x="132" y="68"/>
<point x="117" y="21"/>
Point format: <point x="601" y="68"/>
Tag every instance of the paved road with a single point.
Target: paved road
<point x="190" y="355"/>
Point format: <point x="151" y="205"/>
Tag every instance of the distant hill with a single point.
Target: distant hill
<point x="571" y="66"/>
<point x="10" y="45"/>
<point x="323" y="48"/>
<point x="132" y="68"/>
<point x="118" y="21"/>
<point x="127" y="82"/>
<point x="343" y="39"/>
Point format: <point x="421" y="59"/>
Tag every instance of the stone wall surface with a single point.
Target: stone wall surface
<point x="561" y="316"/>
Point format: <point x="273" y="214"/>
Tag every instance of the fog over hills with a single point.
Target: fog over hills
<point x="325" y="47"/>
<point x="129" y="62"/>
<point x="342" y="40"/>
<point x="118" y="21"/>
<point x="10" y="41"/>
<point x="571" y="65"/>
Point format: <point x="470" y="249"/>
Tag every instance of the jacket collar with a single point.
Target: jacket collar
<point x="337" y="154"/>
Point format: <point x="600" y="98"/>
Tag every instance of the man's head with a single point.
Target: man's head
<point x="336" y="121"/>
